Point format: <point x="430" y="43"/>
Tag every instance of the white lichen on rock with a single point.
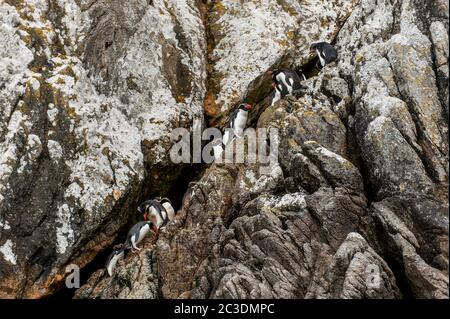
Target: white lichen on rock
<point x="8" y="254"/>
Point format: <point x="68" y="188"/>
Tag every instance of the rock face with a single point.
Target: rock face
<point x="355" y="207"/>
<point x="249" y="37"/>
<point x="89" y="94"/>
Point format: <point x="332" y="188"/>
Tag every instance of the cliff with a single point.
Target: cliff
<point x="90" y="91"/>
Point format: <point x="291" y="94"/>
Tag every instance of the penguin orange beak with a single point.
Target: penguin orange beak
<point x="248" y="106"/>
<point x="145" y="217"/>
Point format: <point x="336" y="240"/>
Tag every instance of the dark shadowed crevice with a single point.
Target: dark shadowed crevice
<point x="393" y="262"/>
<point x="175" y="194"/>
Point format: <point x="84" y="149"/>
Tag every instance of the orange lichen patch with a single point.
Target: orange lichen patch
<point x="68" y="71"/>
<point x="283" y="43"/>
<point x="8" y="286"/>
<point x="359" y="58"/>
<point x="290" y="35"/>
<point x="72" y="112"/>
<point x="181" y="99"/>
<point x="44" y="289"/>
<point x="210" y="106"/>
<point x="117" y="194"/>
<point x="219" y="8"/>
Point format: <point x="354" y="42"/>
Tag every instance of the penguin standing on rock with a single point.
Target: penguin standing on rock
<point x="325" y="51"/>
<point x="137" y="233"/>
<point x="238" y="121"/>
<point x="289" y="79"/>
<point x="158" y="211"/>
<point x="144" y="206"/>
<point x="119" y="252"/>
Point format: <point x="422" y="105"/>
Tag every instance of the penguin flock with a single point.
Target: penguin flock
<point x="159" y="211"/>
<point x="285" y="82"/>
<point x="156" y="214"/>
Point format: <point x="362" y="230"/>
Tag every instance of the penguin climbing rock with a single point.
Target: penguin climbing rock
<point x="119" y="252"/>
<point x="238" y="121"/>
<point x="153" y="211"/>
<point x="167" y="205"/>
<point x="325" y="51"/>
<point x="156" y="213"/>
<point x="137" y="233"/>
<point x="289" y="79"/>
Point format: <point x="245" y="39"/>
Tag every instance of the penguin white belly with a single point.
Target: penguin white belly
<point x="112" y="263"/>
<point x="155" y="217"/>
<point x="142" y="233"/>
<point x="169" y="209"/>
<point x="164" y="216"/>
<point x="291" y="86"/>
<point x="277" y="97"/>
<point x="239" y="123"/>
<point x="321" y="58"/>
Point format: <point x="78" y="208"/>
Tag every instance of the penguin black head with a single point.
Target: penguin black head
<point x="164" y="200"/>
<point x="273" y="73"/>
<point x="245" y="107"/>
<point x="142" y="207"/>
<point x="317" y="46"/>
<point x="314" y="47"/>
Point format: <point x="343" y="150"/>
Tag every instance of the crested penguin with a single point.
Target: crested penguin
<point x="238" y="121"/>
<point x="118" y="252"/>
<point x="289" y="79"/>
<point x="137" y="233"/>
<point x="156" y="212"/>
<point x="325" y="51"/>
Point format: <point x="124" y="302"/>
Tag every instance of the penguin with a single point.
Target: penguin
<point x="143" y="207"/>
<point x="137" y="233"/>
<point x="325" y="51"/>
<point x="118" y="252"/>
<point x="291" y="80"/>
<point x="167" y="205"/>
<point x="237" y="123"/>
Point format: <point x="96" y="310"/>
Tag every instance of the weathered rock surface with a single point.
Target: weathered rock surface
<point x="249" y="37"/>
<point x="355" y="207"/>
<point x="89" y="94"/>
